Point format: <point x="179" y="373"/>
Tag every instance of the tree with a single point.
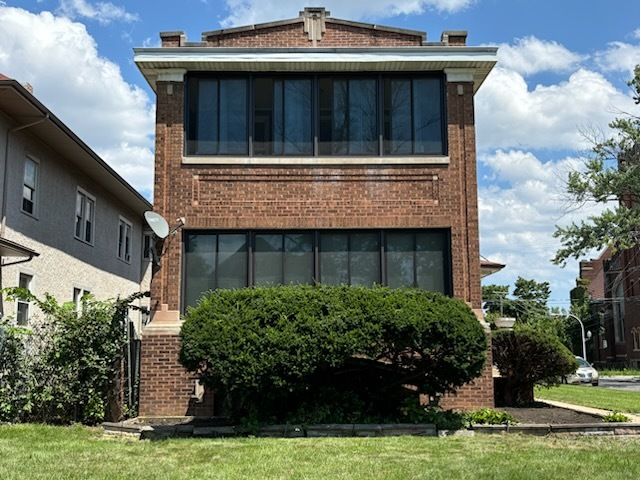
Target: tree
<point x="611" y="176"/>
<point x="529" y="302"/>
<point x="527" y="356"/>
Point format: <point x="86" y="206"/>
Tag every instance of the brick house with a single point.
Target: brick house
<point x="310" y="149"/>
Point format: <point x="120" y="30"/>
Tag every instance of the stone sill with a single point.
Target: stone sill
<point x="316" y="161"/>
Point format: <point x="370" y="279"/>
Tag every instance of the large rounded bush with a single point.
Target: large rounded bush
<point x="527" y="356"/>
<point x="279" y="351"/>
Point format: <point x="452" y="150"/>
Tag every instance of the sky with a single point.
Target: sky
<point x="562" y="73"/>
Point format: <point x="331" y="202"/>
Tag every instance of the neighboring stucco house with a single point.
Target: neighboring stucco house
<point x="70" y="224"/>
<point x="310" y="150"/>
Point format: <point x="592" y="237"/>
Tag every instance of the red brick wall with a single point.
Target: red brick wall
<point x="308" y="197"/>
<point x="293" y="35"/>
<point x="166" y="388"/>
<point x="474" y="395"/>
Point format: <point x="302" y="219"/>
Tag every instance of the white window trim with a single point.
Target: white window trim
<point x="126" y="256"/>
<point x="36" y="188"/>
<point x="86" y="194"/>
<point x="30" y="273"/>
<point x="82" y="291"/>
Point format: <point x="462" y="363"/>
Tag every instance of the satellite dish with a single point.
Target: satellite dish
<point x="157" y="223"/>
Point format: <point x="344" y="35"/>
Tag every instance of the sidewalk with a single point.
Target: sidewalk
<point x="593" y="411"/>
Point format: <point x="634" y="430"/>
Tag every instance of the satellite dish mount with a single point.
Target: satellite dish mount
<point x="161" y="231"/>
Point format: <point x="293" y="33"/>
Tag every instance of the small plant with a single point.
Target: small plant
<point x="615" y="417"/>
<point x="488" y="416"/>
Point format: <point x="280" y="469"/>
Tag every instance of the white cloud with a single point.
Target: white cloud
<point x="248" y="12"/>
<point x="531" y="55"/>
<point x="103" y="12"/>
<point x="619" y="57"/>
<point x="520" y="203"/>
<point x="509" y="114"/>
<point x="87" y="92"/>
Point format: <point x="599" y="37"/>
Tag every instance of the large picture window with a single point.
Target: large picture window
<point x="319" y="115"/>
<point x="416" y="258"/>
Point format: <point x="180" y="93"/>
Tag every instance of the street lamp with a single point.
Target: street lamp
<point x="584" y="339"/>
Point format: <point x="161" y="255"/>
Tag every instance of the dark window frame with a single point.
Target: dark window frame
<point x="250" y="240"/>
<point x="379" y="78"/>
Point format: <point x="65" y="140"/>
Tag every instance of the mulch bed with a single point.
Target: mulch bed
<point x="541" y="413"/>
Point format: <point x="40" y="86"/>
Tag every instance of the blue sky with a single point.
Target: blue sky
<point x="561" y="77"/>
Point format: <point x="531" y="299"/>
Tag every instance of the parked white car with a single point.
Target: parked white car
<point x="585" y="373"/>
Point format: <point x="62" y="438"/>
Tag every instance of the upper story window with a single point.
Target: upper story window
<point x="124" y="240"/>
<point x="85" y="216"/>
<point x="316" y="115"/>
<point x="29" y="186"/>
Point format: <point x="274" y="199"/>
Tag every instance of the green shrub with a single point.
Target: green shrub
<point x="67" y="366"/>
<point x="527" y="356"/>
<point x="488" y="416"/>
<point x="616" y="417"/>
<point x="320" y="353"/>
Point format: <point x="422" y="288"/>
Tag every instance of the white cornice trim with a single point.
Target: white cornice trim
<point x="172" y="75"/>
<point x="459" y="74"/>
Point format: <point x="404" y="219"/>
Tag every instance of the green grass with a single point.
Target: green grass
<point x="596" y="397"/>
<point x="624" y="371"/>
<point x="43" y="452"/>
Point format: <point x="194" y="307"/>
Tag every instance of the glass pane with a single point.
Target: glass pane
<point x="334" y="258"/>
<point x="121" y="240"/>
<point x="296" y="122"/>
<point x="325" y="86"/>
<point x="400" y="267"/>
<point x="24" y="281"/>
<point x="22" y="317"/>
<point x="365" y="259"/>
<point x="206" y="116"/>
<point x="298" y="258"/>
<point x="231" y="267"/>
<point x="427" y="116"/>
<point x="30" y="173"/>
<point x="397" y="116"/>
<point x="268" y="259"/>
<point x="263" y="118"/>
<point x="430" y="262"/>
<point x="362" y="117"/>
<point x="232" y="117"/>
<point x="200" y="262"/>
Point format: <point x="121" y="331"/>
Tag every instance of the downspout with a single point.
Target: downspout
<point x="5" y="164"/>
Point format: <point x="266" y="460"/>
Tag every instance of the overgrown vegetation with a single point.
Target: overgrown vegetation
<point x="313" y="354"/>
<point x="67" y="367"/>
<point x="527" y="356"/>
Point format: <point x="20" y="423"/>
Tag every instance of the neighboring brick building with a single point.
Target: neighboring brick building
<point x="310" y="149"/>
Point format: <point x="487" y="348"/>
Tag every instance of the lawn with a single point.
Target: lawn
<point x="596" y="397"/>
<point x="44" y="452"/>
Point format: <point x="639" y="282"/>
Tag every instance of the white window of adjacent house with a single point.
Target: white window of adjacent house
<point x="85" y="216"/>
<point x="29" y="191"/>
<point x="23" y="304"/>
<point x="78" y="293"/>
<point x="124" y="240"/>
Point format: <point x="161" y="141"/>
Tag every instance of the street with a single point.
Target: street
<point x="619" y="384"/>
